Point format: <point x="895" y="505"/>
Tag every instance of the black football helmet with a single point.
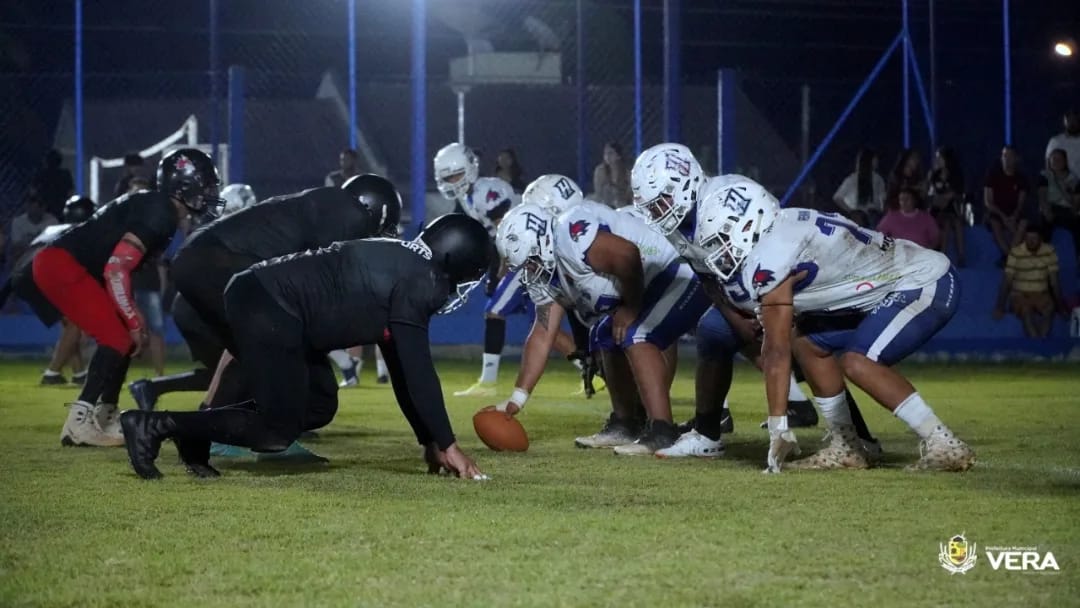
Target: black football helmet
<point x="78" y="209"/>
<point x="380" y="197"/>
<point x="462" y="249"/>
<point x="189" y="175"/>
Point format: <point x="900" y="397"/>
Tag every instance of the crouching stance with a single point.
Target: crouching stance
<point x="287" y="313"/>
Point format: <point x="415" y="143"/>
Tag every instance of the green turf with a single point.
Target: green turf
<point x="556" y="526"/>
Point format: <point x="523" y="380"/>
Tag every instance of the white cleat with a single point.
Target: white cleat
<point x="942" y="451"/>
<point x="480" y="389"/>
<point x="845" y="451"/>
<point x="107" y="416"/>
<point x="613" y="434"/>
<point x="81" y="428"/>
<point x="693" y="443"/>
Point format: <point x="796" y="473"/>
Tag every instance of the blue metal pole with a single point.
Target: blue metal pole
<point x="352" y="74"/>
<point x="215" y="94"/>
<point x="933" y="77"/>
<point x="843" y="117"/>
<point x="419" y="111"/>
<point x="672" y="70"/>
<point x="582" y="120"/>
<point x="907" y="80"/>
<point x="928" y="113"/>
<point x="1008" y="71"/>
<point x="637" y="77"/>
<point x="80" y="185"/>
<point x="236" y="124"/>
<point x="726" y="144"/>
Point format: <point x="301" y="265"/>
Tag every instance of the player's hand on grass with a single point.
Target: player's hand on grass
<point x="457" y="463"/>
<point x="433" y="458"/>
<point x="781" y="446"/>
<point x="621" y="321"/>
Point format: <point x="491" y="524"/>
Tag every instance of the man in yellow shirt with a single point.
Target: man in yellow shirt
<point x="1031" y="284"/>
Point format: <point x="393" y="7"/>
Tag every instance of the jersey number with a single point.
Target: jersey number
<point x="828" y="225"/>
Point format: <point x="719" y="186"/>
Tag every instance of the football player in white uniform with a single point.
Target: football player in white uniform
<point x="668" y="184"/>
<point x="485" y="199"/>
<point x="628" y="285"/>
<point x="847" y="290"/>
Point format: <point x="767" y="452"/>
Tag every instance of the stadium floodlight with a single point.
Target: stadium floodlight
<point x="1064" y="48"/>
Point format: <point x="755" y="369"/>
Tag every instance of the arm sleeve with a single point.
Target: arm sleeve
<point x="401" y="393"/>
<point x="421" y="383"/>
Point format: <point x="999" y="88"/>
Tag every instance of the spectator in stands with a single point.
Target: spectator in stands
<point x="1059" y="195"/>
<point x="946" y="191"/>
<point x="861" y="196"/>
<point x="27" y="225"/>
<point x="53" y="183"/>
<point x="508" y="169"/>
<point x="611" y="178"/>
<point x="1005" y="198"/>
<point x="348" y="166"/>
<point x="910" y="222"/>
<point x="906" y="173"/>
<point x="133" y="168"/>
<point x="1031" y="284"/>
<point x="1068" y="140"/>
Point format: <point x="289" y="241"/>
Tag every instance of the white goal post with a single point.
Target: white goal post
<point x="187" y="136"/>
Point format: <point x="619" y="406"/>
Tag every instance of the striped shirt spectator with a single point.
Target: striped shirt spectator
<point x="1031" y="285"/>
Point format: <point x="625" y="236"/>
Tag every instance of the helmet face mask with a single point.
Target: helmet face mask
<point x="459" y="247"/>
<point x="459" y="296"/>
<point x="665" y="181"/>
<point x="189" y="176"/>
<point x="237" y="197"/>
<point x="524" y="241"/>
<point x="456" y="170"/>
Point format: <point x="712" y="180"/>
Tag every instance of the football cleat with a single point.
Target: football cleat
<point x="480" y="389"/>
<point x="107" y="416"/>
<point x="615" y="432"/>
<point x="693" y="444"/>
<point x="845" y="451"/>
<point x="142" y="391"/>
<point x="942" y="451"/>
<point x="81" y="428"/>
<point x="53" y="380"/>
<point x="659" y="434"/>
<point x="350" y="376"/>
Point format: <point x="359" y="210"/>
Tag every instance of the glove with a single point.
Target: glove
<point x="590" y="368"/>
<point x="780" y="446"/>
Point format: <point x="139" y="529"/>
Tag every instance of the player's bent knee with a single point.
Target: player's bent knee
<point x="857" y="366"/>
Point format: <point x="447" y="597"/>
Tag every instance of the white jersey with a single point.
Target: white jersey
<point x="848" y="268"/>
<point x="489" y="200"/>
<point x="593" y="294"/>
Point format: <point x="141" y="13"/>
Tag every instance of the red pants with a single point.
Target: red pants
<point x="80" y="298"/>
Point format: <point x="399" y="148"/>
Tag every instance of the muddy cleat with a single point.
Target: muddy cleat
<point x="845" y="451"/>
<point x="658" y="435"/>
<point x="942" y="451"/>
<point x="693" y="443"/>
<point x="54" y="379"/>
<point x="143" y="434"/>
<point x="480" y="389"/>
<point x="108" y="420"/>
<point x="142" y="391"/>
<point x="615" y="432"/>
<point x="82" y="429"/>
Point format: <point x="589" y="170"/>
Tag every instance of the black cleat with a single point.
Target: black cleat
<point x="195" y="455"/>
<point x="659" y="434"/>
<point x="79" y="379"/>
<point x="53" y="380"/>
<point x="382" y="380"/>
<point x="143" y="434"/>
<point x="800" y="414"/>
<point x="142" y="391"/>
<point x="727" y="423"/>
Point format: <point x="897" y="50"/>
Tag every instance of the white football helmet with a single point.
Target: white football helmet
<point x="665" y="180"/>
<point x="524" y="241"/>
<point x="456" y="170"/>
<point x="237" y="197"/>
<point x="730" y="221"/>
<point x="554" y="193"/>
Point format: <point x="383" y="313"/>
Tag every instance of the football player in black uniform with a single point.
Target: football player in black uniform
<point x="85" y="274"/>
<point x="286" y="314"/>
<point x="366" y="205"/>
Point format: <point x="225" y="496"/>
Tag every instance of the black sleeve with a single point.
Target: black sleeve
<point x="414" y="300"/>
<point x="154" y="222"/>
<point x="424" y="392"/>
<point x="401" y="393"/>
<point x="580" y="332"/>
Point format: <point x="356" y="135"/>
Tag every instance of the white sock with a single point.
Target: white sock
<point x="380" y="364"/>
<point x="577" y="364"/>
<point x="341" y="358"/>
<point x="918" y="416"/>
<point x="794" y="393"/>
<point x="490" y="372"/>
<point x="835" y="410"/>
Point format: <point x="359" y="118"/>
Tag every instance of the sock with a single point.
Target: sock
<point x="709" y="423"/>
<point x="51" y="374"/>
<point x="380" y="364"/>
<point x="490" y="372"/>
<point x="794" y="393"/>
<point x="102" y="367"/>
<point x="861" y="429"/>
<point x="918" y="415"/>
<point x="341" y="358"/>
<point x="494" y="336"/>
<point x="110" y="392"/>
<point x="835" y="410"/>
<point x="194" y="380"/>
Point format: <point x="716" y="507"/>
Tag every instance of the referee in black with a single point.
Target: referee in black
<point x="286" y="314"/>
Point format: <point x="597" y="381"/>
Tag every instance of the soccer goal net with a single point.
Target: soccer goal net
<point x="187" y="136"/>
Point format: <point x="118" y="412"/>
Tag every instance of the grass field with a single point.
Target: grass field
<point x="555" y="526"/>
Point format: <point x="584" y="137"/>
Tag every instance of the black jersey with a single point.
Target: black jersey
<point x="351" y="292"/>
<point x="149" y="215"/>
<point x="288" y="224"/>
